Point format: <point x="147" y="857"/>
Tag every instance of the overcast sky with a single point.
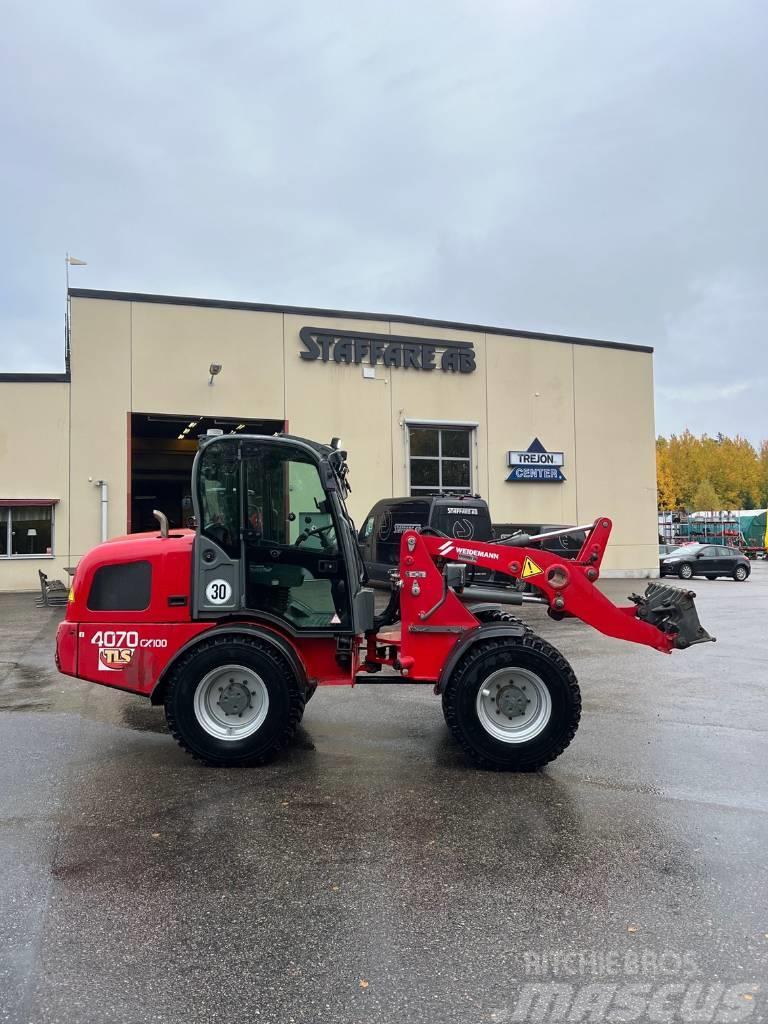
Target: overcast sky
<point x="588" y="168"/>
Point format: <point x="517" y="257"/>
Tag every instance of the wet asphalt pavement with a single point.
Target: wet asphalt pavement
<point x="370" y="875"/>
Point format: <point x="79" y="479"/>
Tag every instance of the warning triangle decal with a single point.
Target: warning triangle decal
<point x="530" y="569"/>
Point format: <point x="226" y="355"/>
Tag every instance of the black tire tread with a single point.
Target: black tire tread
<point x="530" y="641"/>
<point x="499" y="615"/>
<point x="297" y="698"/>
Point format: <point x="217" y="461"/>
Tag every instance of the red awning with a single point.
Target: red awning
<point x="17" y="502"/>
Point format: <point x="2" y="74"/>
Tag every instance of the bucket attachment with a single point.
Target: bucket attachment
<point x="673" y="611"/>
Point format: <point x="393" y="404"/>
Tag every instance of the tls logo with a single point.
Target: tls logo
<point x="113" y="659"/>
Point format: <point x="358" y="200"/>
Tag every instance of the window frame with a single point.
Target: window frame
<point x="8" y="505"/>
<point x="468" y="426"/>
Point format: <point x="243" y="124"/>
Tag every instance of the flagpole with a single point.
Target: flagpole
<point x="69" y="261"/>
<point x="66" y="313"/>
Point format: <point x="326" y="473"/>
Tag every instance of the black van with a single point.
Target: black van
<point x="464" y="517"/>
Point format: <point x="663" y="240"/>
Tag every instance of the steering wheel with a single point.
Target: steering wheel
<point x="318" y="531"/>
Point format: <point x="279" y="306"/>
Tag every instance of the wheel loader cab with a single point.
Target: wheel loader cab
<point x="274" y="537"/>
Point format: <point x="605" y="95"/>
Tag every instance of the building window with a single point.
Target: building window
<point x="26" y="531"/>
<point x="440" y="459"/>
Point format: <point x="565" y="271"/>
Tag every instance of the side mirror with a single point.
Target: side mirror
<point x="455" y="574"/>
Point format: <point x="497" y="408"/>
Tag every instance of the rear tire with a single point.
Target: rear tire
<point x="512" y="703"/>
<point x="685" y="572"/>
<point x="740" y="573"/>
<point x="233" y="702"/>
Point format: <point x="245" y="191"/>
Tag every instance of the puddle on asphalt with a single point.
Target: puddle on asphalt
<point x="19" y="676"/>
<point x="143" y="717"/>
<point x="26" y="705"/>
<point x="302" y="740"/>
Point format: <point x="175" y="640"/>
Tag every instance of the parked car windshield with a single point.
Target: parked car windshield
<point x="687" y="549"/>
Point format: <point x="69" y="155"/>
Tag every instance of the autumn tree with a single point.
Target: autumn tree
<point x="763" y="475"/>
<point x="706" y="498"/>
<point x="731" y="466"/>
<point x="665" y="479"/>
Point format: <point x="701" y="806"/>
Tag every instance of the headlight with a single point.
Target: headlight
<point x="676" y="559"/>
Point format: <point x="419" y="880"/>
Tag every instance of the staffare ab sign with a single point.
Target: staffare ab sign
<point x="535" y="465"/>
<point x="355" y="347"/>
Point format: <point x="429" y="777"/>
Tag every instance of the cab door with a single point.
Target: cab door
<point x="293" y="568"/>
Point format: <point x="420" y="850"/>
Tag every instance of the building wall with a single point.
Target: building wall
<point x="101" y="398"/>
<point x="531" y="394"/>
<point x="593" y="403"/>
<point x="34" y="451"/>
<point x="616" y="451"/>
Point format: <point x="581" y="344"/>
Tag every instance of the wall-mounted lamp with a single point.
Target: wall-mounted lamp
<point x="214" y="369"/>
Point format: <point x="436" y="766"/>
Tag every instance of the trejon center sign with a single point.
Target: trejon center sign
<point x="356" y="347"/>
<point x="536" y="465"/>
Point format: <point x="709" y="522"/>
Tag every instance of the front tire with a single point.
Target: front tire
<point x="233" y="702"/>
<point x="685" y="572"/>
<point x="512" y="703"/>
<point x="498" y="615"/>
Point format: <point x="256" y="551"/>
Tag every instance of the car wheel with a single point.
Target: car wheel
<point x="740" y="573"/>
<point x="685" y="572"/>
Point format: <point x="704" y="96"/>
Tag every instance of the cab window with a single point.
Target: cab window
<point x="292" y="564"/>
<point x="219" y="496"/>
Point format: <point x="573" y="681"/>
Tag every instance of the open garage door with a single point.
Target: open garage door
<point x="161" y="451"/>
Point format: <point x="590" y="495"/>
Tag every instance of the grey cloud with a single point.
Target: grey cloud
<point x="595" y="169"/>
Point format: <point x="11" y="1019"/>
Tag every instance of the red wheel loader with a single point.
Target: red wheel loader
<point x="232" y="626"/>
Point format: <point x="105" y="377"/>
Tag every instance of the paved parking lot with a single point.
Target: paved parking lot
<point x="370" y="875"/>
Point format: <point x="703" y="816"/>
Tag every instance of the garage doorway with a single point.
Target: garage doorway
<point x="161" y="450"/>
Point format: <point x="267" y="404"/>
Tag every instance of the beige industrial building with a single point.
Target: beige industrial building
<point x="549" y="429"/>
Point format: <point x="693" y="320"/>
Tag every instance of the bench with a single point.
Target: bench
<point x="52" y="592"/>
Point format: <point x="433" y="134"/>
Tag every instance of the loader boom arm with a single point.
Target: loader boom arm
<point x="665" y="618"/>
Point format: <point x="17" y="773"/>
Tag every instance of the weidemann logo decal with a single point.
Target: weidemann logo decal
<point x="468" y="554"/>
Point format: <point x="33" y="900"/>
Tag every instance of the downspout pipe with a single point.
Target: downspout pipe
<point x="104" y="502"/>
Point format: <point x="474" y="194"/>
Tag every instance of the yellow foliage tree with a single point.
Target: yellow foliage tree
<point x="665" y="479"/>
<point x="734" y="470"/>
<point x="763" y="471"/>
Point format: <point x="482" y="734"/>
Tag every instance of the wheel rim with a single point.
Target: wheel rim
<point x="686" y="572"/>
<point x="231" y="702"/>
<point x="513" y="705"/>
<point x="741" y="573"/>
